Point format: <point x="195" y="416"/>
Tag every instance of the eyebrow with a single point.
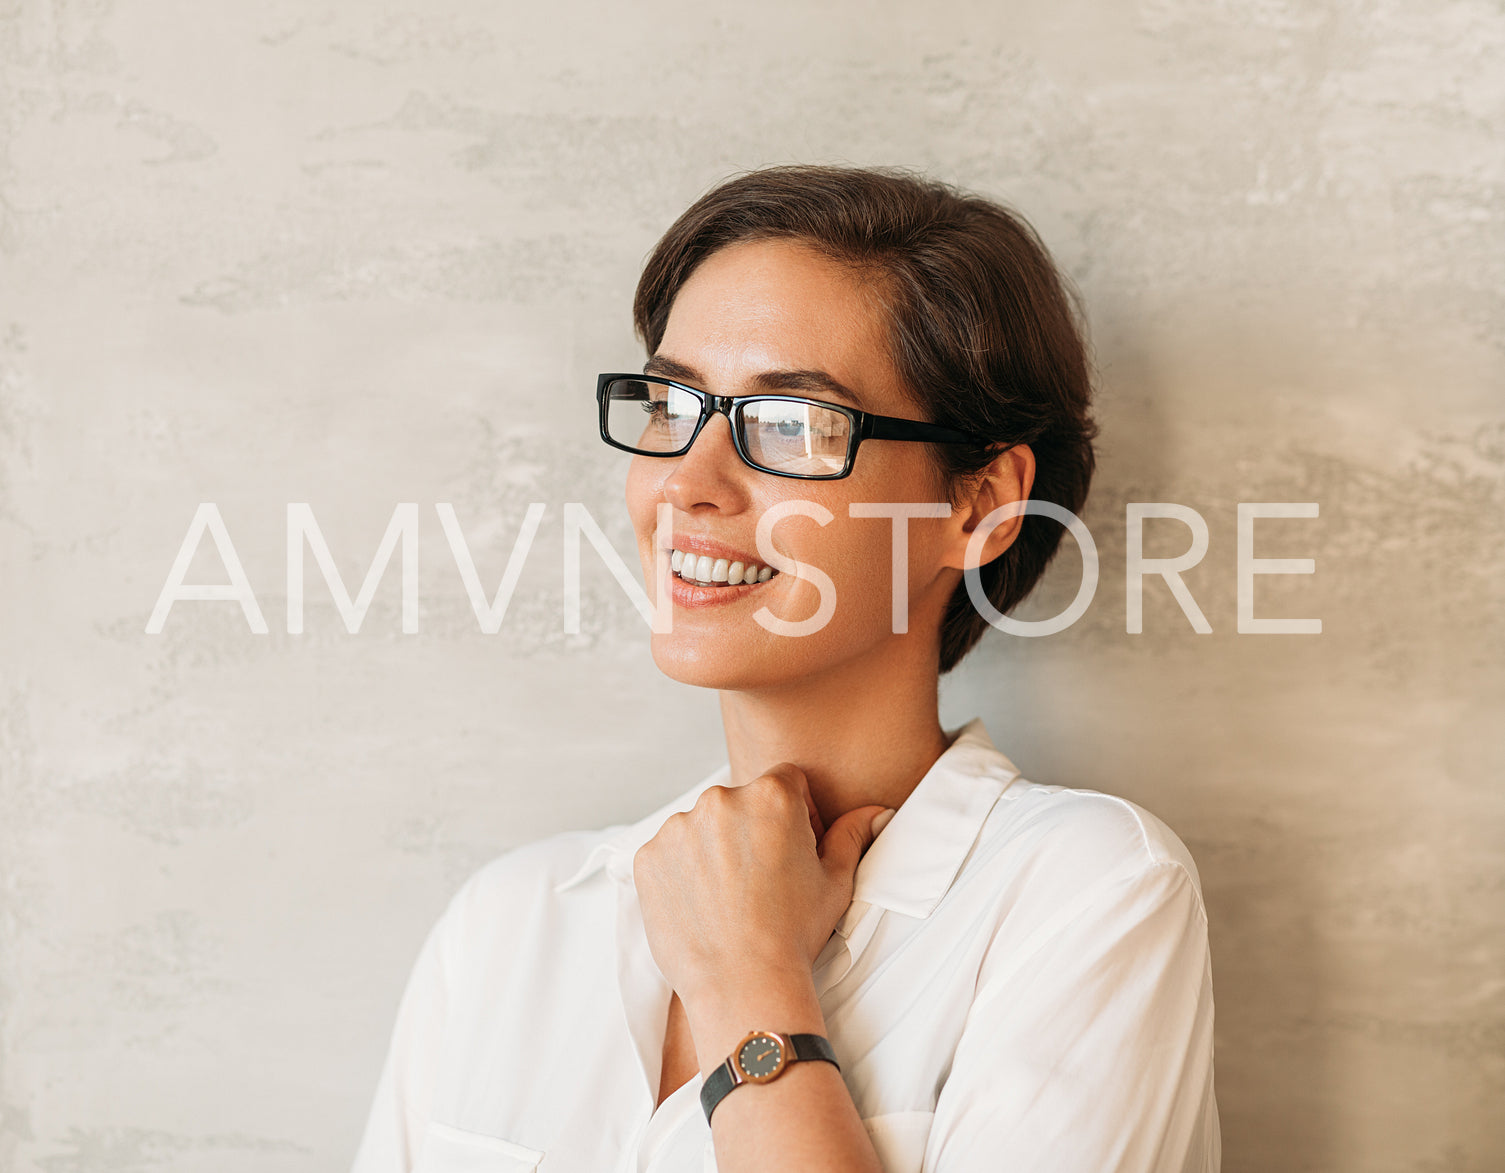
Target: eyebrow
<point x="800" y="382"/>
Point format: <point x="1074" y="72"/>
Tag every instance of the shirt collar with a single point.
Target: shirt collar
<point x="910" y="866"/>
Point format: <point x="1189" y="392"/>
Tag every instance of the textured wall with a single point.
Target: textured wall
<point x="357" y="254"/>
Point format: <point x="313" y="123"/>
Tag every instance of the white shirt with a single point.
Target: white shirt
<point x="1022" y="983"/>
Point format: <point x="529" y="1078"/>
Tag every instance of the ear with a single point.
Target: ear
<point x="1007" y="478"/>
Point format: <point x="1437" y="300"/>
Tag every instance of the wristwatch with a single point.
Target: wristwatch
<point x="761" y="1056"/>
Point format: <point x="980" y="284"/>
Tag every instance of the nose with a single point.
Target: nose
<point x="709" y="471"/>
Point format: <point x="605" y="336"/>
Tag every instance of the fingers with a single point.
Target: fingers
<point x="789" y="775"/>
<point x="785" y="778"/>
<point x="849" y="838"/>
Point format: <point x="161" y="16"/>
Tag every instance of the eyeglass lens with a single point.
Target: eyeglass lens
<point x="779" y="435"/>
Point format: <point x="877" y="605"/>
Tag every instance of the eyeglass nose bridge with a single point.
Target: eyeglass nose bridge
<point x="721" y="403"/>
<point x="712" y="404"/>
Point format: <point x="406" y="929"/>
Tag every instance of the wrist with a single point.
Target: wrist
<point x="721" y="1015"/>
<point x="767" y="977"/>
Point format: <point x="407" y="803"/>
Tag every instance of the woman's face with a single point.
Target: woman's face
<point x="747" y="317"/>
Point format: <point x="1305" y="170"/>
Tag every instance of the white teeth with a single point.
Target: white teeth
<point x="703" y="569"/>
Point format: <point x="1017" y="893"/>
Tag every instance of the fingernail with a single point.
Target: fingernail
<point x="882" y="820"/>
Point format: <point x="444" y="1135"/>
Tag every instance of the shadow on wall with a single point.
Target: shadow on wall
<point x="1281" y="760"/>
<point x="1196" y="716"/>
<point x="1275" y="1072"/>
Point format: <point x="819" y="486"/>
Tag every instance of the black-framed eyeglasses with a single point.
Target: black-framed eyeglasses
<point x="786" y="435"/>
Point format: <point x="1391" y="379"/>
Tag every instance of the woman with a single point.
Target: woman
<point x="767" y="972"/>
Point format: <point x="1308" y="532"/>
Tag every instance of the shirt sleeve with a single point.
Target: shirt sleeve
<point x="404" y="1092"/>
<point x="1089" y="1048"/>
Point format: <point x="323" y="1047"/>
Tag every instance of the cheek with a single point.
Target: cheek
<point x="642" y="493"/>
<point x="858" y="554"/>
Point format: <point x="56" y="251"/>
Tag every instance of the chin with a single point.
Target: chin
<point x="692" y="662"/>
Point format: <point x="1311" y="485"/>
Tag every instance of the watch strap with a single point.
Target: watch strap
<point x="726" y="1077"/>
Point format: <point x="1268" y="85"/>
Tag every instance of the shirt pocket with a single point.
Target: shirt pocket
<point x="447" y="1149"/>
<point x="899" y="1139"/>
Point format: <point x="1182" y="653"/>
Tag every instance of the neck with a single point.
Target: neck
<point x="861" y="736"/>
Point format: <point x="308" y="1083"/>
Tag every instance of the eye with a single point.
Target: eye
<point x="788" y="426"/>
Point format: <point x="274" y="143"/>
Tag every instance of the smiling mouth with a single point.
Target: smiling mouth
<point x="704" y="571"/>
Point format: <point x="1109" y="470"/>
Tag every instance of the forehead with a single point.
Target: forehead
<point x="774" y="305"/>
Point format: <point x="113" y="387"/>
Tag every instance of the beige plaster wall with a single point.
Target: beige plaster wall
<point x="359" y="254"/>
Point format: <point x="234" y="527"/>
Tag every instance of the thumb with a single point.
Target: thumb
<point x="848" y="838"/>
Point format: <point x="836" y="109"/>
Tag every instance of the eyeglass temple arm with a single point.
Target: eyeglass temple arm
<point x="887" y="427"/>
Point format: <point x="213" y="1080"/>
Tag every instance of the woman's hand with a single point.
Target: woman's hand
<point x="748" y="883"/>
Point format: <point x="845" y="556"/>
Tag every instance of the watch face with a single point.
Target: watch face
<point x="760" y="1057"/>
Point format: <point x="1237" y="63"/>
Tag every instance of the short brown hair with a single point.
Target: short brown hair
<point x="983" y="334"/>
